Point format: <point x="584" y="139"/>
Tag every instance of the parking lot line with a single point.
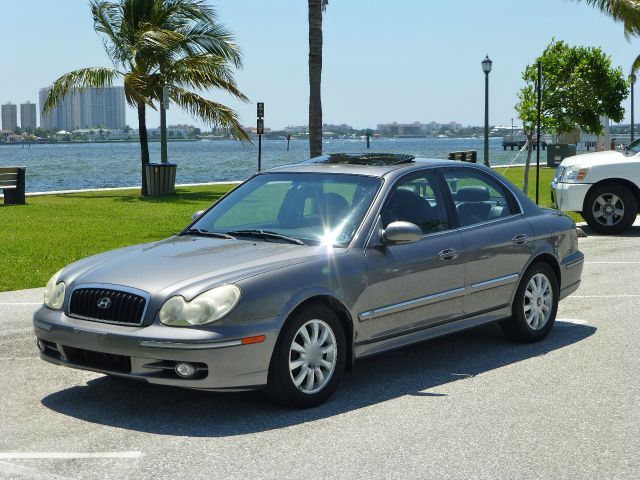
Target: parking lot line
<point x="20" y="303"/>
<point x="622" y="295"/>
<point x="67" y="455"/>
<point x="611" y="263"/>
<point x="565" y="322"/>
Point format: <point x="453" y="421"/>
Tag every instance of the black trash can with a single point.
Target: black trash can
<point x="161" y="179"/>
<point x="556" y="152"/>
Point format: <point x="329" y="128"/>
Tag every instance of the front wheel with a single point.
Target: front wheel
<point x="610" y="208"/>
<point x="535" y="305"/>
<point x="309" y="358"/>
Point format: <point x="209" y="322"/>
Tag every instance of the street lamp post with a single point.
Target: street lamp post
<point x="486" y="68"/>
<point x="632" y="81"/>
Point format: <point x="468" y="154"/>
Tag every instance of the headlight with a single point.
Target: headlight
<point x="54" y="292"/>
<point x="206" y="308"/>
<point x="574" y="174"/>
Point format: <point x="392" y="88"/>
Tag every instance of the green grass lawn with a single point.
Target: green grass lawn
<point x="51" y="231"/>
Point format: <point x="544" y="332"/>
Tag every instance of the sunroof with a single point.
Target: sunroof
<point x="374" y="159"/>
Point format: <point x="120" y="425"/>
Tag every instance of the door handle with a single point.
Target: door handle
<point x="448" y="254"/>
<point x="520" y="239"/>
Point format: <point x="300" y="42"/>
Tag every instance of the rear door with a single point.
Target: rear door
<point x="414" y="285"/>
<point x="495" y="234"/>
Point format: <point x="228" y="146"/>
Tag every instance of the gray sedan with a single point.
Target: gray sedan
<point x="300" y="271"/>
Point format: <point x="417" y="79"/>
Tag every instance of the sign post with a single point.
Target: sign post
<point x="260" y="131"/>
<point x="164" y="106"/>
<point x="538" y="108"/>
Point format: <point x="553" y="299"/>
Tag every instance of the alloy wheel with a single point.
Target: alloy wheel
<point x="312" y="356"/>
<point x="538" y="301"/>
<point x="608" y="209"/>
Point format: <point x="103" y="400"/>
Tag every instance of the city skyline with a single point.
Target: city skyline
<point x="418" y="62"/>
<point x="86" y="109"/>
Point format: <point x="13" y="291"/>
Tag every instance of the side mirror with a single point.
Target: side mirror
<point x="196" y="215"/>
<point x="402" y="232"/>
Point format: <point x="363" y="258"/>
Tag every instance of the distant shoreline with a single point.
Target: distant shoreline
<point x="84" y="142"/>
<point x="270" y="138"/>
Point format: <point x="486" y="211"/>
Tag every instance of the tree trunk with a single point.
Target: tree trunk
<point x="525" y="185"/>
<point x="144" y="146"/>
<point x="315" y="77"/>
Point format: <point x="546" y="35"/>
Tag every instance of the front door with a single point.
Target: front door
<point x="414" y="285"/>
<point x="496" y="238"/>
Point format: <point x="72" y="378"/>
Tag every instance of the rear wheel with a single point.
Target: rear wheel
<point x="535" y="305"/>
<point x="610" y="208"/>
<point x="309" y="358"/>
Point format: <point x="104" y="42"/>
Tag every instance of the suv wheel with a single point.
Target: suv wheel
<point x="309" y="358"/>
<point x="535" y="305"/>
<point x="610" y="208"/>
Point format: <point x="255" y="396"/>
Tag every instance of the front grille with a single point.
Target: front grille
<point x="105" y="305"/>
<point x="98" y="360"/>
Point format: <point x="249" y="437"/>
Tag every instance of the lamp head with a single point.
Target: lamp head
<point x="486" y="64"/>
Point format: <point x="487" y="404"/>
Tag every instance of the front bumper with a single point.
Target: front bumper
<point x="569" y="197"/>
<point x="151" y="353"/>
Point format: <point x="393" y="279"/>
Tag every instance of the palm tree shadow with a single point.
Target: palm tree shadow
<point x="411" y="371"/>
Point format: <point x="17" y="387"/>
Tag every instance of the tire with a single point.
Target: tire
<point x="530" y="321"/>
<point x="324" y="366"/>
<point x="610" y="208"/>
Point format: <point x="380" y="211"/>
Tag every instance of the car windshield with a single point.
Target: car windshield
<point x="634" y="147"/>
<point x="311" y="207"/>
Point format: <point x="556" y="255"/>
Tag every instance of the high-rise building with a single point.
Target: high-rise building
<point x="105" y="107"/>
<point x="9" y="116"/>
<point x="28" y="117"/>
<point x="65" y="115"/>
<point x="93" y="107"/>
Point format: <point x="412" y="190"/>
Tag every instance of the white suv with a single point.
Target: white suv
<point x="603" y="186"/>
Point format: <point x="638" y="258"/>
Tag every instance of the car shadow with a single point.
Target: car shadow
<point x="631" y="232"/>
<point x="417" y="370"/>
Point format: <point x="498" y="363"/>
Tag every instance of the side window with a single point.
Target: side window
<point x="478" y="197"/>
<point x="417" y="200"/>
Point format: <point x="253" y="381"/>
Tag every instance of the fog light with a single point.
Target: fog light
<point x="41" y="345"/>
<point x="185" y="370"/>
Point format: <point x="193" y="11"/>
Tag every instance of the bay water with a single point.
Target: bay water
<point x="70" y="166"/>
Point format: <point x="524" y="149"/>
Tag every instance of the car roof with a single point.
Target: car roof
<point x="373" y="165"/>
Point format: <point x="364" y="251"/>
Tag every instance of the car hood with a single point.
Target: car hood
<point x="598" y="158"/>
<point x="186" y="264"/>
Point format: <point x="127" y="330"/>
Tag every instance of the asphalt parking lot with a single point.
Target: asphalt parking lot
<point x="468" y="406"/>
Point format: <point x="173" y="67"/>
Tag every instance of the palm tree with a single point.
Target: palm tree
<point x="316" y="7"/>
<point x="153" y="44"/>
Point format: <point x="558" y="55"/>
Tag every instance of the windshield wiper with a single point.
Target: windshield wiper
<point x="206" y="233"/>
<point x="266" y="234"/>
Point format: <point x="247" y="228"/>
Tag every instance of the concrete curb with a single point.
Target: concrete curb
<point x="133" y="187"/>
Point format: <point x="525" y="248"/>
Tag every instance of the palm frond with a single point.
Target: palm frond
<point x="207" y="37"/>
<point x="625" y="11"/>
<point x="107" y="18"/>
<point x="181" y="12"/>
<point x="635" y="66"/>
<point x="203" y="72"/>
<point x="213" y="113"/>
<point x="79" y="80"/>
<point x="137" y="90"/>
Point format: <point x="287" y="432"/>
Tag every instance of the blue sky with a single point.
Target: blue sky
<point x="403" y="60"/>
